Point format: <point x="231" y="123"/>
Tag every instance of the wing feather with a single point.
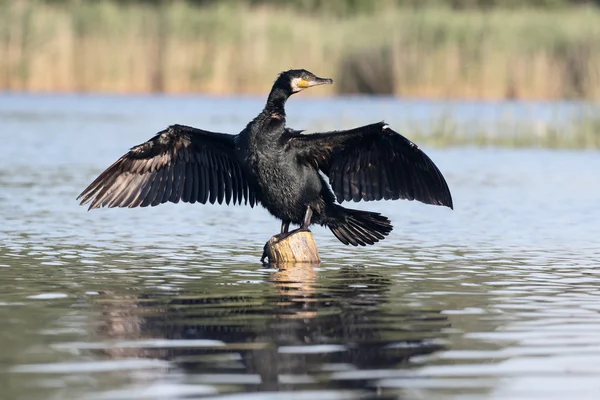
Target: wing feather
<point x="158" y="187"/>
<point x="177" y="178"/>
<point x="227" y="172"/>
<point x="196" y="181"/>
<point x="373" y="162"/>
<point x="141" y="193"/>
<point x="189" y="182"/>
<point x="168" y="184"/>
<point x="220" y="180"/>
<point x="180" y="163"/>
<point x="123" y="189"/>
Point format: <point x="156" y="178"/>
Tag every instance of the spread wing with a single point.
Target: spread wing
<point x="372" y="163"/>
<point x="179" y="163"/>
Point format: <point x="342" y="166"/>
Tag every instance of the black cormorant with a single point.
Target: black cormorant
<point x="278" y="167"/>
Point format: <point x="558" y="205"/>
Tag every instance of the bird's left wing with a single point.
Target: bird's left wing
<point x="372" y="162"/>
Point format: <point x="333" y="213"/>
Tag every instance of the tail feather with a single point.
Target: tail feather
<point x="342" y="235"/>
<point x="374" y="235"/>
<point x="358" y="227"/>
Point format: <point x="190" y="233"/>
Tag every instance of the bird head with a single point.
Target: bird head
<point x="296" y="80"/>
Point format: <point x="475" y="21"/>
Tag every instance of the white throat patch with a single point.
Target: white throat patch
<point x="295" y="87"/>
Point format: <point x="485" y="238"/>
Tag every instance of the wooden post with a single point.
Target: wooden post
<point x="296" y="247"/>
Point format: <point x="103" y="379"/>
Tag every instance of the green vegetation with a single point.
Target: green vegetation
<point x="579" y="134"/>
<point x="239" y="47"/>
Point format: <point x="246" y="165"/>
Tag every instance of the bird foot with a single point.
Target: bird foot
<point x="285" y="235"/>
<point x="265" y="254"/>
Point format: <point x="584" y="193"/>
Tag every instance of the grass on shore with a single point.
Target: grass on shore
<point x="226" y="48"/>
<point x="579" y="131"/>
<point x="582" y="134"/>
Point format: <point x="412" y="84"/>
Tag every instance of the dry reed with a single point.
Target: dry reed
<point x="176" y="47"/>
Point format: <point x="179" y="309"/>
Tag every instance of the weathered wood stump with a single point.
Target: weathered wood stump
<point x="295" y="247"/>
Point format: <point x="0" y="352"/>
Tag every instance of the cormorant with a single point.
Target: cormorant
<point x="278" y="167"/>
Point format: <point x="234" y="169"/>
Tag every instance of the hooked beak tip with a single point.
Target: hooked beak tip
<point x="321" y="81"/>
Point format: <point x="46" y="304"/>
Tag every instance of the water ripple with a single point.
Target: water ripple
<point x="498" y="299"/>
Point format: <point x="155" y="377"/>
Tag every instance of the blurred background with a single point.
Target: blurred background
<point x="480" y="49"/>
<point x="474" y="50"/>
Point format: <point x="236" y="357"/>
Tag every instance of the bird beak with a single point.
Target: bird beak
<point x="314" y="82"/>
<point x="320" y="81"/>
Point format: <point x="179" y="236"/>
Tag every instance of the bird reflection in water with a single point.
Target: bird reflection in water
<point x="306" y="331"/>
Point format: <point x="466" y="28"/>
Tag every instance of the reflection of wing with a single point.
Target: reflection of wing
<point x="179" y="163"/>
<point x="372" y="163"/>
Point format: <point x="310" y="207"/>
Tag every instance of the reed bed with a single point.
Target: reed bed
<point x="176" y="47"/>
<point x="580" y="134"/>
<point x="579" y="130"/>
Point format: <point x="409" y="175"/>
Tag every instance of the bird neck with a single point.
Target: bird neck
<point x="276" y="101"/>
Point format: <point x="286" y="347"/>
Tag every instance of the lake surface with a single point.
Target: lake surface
<point x="498" y="299"/>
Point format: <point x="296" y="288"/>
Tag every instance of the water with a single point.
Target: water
<point x="498" y="299"/>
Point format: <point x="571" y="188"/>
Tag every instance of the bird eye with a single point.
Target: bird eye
<point x="306" y="78"/>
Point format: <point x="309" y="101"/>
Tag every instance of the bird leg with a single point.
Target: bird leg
<point x="307" y="218"/>
<point x="285" y="227"/>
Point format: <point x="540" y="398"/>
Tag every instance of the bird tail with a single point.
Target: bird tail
<point x="357" y="227"/>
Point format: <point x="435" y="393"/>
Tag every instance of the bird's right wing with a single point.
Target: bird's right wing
<point x="372" y="162"/>
<point x="179" y="163"/>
